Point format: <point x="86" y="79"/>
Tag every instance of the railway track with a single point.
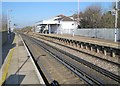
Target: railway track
<point x="51" y="68"/>
<point x="108" y="65"/>
<point x="81" y="68"/>
<point x="45" y="38"/>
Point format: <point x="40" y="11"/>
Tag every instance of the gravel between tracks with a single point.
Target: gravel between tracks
<point x="52" y="68"/>
<point x="105" y="65"/>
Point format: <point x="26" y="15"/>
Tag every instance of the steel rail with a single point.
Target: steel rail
<point x="74" y="68"/>
<point x="99" y="69"/>
<point x="78" y="59"/>
<point x="114" y="63"/>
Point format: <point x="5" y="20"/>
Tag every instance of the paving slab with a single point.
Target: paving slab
<point x="21" y="70"/>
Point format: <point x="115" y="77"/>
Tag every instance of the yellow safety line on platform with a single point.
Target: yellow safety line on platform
<point x="5" y="69"/>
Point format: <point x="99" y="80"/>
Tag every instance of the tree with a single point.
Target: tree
<point x="91" y="17"/>
<point x="27" y="29"/>
<point x="75" y="16"/>
<point x="108" y="20"/>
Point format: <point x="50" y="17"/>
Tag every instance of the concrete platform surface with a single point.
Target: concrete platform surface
<point x="97" y="41"/>
<point x="21" y="70"/>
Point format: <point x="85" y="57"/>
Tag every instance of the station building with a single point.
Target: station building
<point x="57" y="24"/>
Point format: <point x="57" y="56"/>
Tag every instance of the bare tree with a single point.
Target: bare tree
<point x="26" y="29"/>
<point x="91" y="17"/>
<point x="108" y="20"/>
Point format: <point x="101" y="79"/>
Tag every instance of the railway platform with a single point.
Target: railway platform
<point x="97" y="41"/>
<point x="105" y="47"/>
<point x="18" y="67"/>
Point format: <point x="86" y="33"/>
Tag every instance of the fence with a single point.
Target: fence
<point x="103" y="33"/>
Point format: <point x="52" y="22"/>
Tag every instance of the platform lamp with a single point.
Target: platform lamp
<point x="15" y="26"/>
<point x="8" y="23"/>
<point x="116" y="20"/>
<point x="78" y="10"/>
<point x="75" y="21"/>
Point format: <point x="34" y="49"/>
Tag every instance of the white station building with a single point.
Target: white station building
<point x="58" y="24"/>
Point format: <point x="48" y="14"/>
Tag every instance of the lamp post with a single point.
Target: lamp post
<point x="75" y="22"/>
<point x="78" y="10"/>
<point x="8" y="23"/>
<point x="116" y="17"/>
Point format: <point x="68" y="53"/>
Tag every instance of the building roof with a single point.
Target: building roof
<point x="61" y="16"/>
<point x="55" y="20"/>
<point x="67" y="19"/>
